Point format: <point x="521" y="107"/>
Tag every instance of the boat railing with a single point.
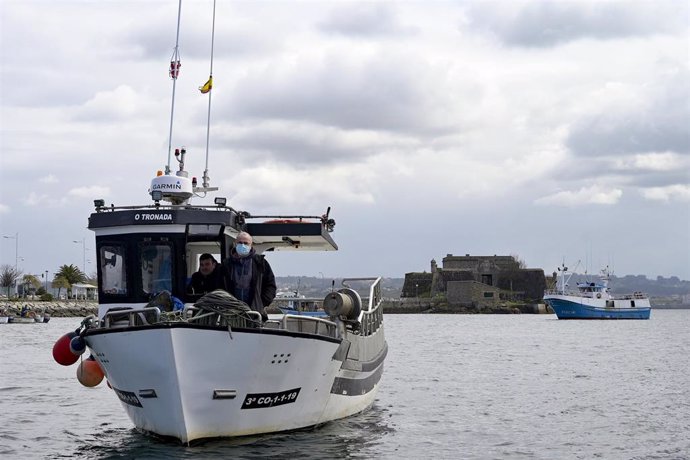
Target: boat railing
<point x="374" y="298"/>
<point x="568" y="292"/>
<point x="634" y="295"/>
<point x="371" y="321"/>
<point x="128" y="317"/>
<point x="304" y="324"/>
<point x="579" y="293"/>
<point x="299" y="302"/>
<point x="146" y="316"/>
<point x="371" y="317"/>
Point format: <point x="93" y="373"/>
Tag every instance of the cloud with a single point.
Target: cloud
<point x="656" y="120"/>
<point x="391" y="91"/>
<point x="120" y="104"/>
<point x="90" y="192"/>
<point x="594" y="194"/>
<point x="547" y="23"/>
<point x="243" y="37"/>
<point x="664" y="161"/>
<point x="42" y="199"/>
<point x="49" y="179"/>
<point x="266" y="188"/>
<point x="677" y="192"/>
<point x="301" y="143"/>
<point x="365" y="20"/>
<point x="382" y="110"/>
<point x="4" y="209"/>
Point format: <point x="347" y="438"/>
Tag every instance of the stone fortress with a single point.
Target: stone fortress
<point x="477" y="281"/>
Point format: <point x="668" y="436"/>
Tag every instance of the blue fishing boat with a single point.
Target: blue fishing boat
<point x="592" y="300"/>
<point x="294" y="303"/>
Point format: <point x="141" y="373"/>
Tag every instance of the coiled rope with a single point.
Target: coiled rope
<point x="227" y="307"/>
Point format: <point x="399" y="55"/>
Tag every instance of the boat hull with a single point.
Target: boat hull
<point x="192" y="383"/>
<point x="568" y="307"/>
<point x="25" y="320"/>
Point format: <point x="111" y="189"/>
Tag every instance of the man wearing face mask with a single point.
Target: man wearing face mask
<point x="248" y="275"/>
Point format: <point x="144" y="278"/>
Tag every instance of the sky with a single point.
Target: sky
<point x="554" y="131"/>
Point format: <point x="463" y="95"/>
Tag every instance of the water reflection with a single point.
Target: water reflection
<point x="354" y="437"/>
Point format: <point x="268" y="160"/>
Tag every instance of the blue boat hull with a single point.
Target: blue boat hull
<point x="565" y="309"/>
<point x="317" y="314"/>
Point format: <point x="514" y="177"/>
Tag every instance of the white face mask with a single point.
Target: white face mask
<point x="243" y="249"/>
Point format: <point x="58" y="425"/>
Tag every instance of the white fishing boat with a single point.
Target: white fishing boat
<point x="218" y="370"/>
<point x="193" y="368"/>
<point x="592" y="300"/>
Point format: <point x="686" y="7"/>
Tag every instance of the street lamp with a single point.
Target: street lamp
<point x="83" y="244"/>
<point x="16" y="248"/>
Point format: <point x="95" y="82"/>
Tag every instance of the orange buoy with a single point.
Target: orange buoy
<point x="89" y="372"/>
<point x="61" y="350"/>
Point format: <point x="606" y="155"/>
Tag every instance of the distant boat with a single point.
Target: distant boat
<point x="592" y="300"/>
<point x="26" y="317"/>
<point x="294" y="303"/>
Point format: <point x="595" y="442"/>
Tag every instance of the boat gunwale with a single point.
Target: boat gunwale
<point x="182" y="325"/>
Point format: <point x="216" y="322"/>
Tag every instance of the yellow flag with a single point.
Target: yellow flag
<point x="207" y="86"/>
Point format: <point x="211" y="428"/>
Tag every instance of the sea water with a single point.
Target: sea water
<point x="454" y="386"/>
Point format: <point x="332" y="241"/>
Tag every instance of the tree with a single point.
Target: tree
<point x="30" y="283"/>
<point x="58" y="283"/>
<point x="8" y="277"/>
<point x="68" y="275"/>
<point x="71" y="273"/>
<point x="521" y="263"/>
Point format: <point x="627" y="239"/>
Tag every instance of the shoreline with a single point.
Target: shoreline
<point x="81" y="309"/>
<point x="60" y="309"/>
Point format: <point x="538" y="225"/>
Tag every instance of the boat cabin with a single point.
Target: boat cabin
<point x="141" y="251"/>
<point x="592" y="289"/>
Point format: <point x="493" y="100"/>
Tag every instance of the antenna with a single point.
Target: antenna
<point x="205" y="179"/>
<point x="174" y="72"/>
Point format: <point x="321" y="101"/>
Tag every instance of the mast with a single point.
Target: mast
<point x="174" y="72"/>
<point x="205" y="178"/>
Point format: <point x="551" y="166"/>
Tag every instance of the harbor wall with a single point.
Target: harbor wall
<point x="58" y="309"/>
<point x="393" y="305"/>
<point x="429" y="305"/>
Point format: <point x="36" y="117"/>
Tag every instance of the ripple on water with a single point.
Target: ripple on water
<point x="455" y="386"/>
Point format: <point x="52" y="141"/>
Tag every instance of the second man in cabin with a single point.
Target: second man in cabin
<point x="208" y="278"/>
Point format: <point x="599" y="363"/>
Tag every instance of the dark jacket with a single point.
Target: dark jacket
<point x="201" y="284"/>
<point x="263" y="283"/>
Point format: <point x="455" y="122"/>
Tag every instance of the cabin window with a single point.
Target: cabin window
<point x="488" y="294"/>
<point x="194" y="250"/>
<point x="113" y="269"/>
<point x="488" y="279"/>
<point x="197" y="230"/>
<point x="632" y="303"/>
<point x="156" y="267"/>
